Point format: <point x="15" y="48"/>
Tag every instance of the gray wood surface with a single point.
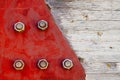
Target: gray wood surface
<point x="93" y="30"/>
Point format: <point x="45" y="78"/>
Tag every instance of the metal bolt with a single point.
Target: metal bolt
<point x="18" y="64"/>
<point x="19" y="26"/>
<point x="43" y="64"/>
<point x="42" y="24"/>
<point x="67" y="64"/>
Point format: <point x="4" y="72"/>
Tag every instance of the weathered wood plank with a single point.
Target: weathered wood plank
<point x="93" y="30"/>
<point x="102" y="68"/>
<point x="93" y="36"/>
<point x="89" y="46"/>
<point x="82" y="4"/>
<point x="90" y="25"/>
<point x="116" y="5"/>
<point x="86" y="15"/>
<point x="103" y="77"/>
<point x="97" y="56"/>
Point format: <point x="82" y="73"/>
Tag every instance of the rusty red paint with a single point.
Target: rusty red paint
<point x="33" y="44"/>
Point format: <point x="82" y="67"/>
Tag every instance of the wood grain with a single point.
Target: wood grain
<point x="93" y="30"/>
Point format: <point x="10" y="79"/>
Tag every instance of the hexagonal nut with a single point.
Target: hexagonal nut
<point x="18" y="64"/>
<point x="67" y="64"/>
<point x="42" y="25"/>
<point x="43" y="64"/>
<point x="19" y="27"/>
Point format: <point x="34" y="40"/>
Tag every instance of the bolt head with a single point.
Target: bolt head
<point x="43" y="64"/>
<point x="19" y="27"/>
<point x="67" y="64"/>
<point x="42" y="25"/>
<point x="18" y="64"/>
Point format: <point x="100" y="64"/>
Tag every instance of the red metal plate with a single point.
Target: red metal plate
<point x="33" y="44"/>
